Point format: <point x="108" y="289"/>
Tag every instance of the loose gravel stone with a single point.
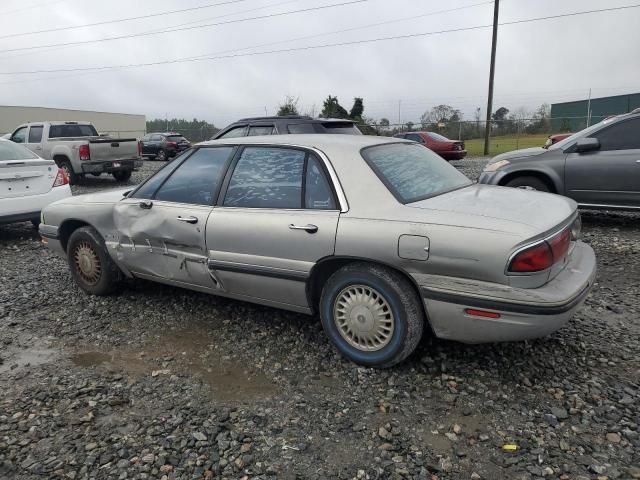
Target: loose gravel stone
<point x="252" y="392"/>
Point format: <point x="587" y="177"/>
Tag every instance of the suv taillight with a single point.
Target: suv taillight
<point x="172" y="144"/>
<point x="84" y="152"/>
<point x="542" y="256"/>
<point x="140" y="148"/>
<point x="61" y="178"/>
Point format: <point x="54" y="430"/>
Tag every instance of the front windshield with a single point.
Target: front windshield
<point x="582" y="133"/>
<point x="412" y="172"/>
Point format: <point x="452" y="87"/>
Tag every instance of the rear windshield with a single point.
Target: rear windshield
<point x="344" y="128"/>
<point x="12" y="151"/>
<point x="437" y="137"/>
<point x="176" y="138"/>
<point x="64" y="131"/>
<point x="412" y="172"/>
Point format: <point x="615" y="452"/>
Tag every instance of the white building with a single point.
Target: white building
<point x="119" y="125"/>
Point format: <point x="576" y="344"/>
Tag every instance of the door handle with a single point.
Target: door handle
<point x="308" y="228"/>
<point x="187" y="219"/>
<point x="146" y="204"/>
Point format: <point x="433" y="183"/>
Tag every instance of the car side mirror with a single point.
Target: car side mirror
<point x="587" y="145"/>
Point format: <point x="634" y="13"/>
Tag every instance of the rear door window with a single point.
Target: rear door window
<point x="260" y="130"/>
<point x="35" y="134"/>
<point x="318" y="194"/>
<point x="267" y="177"/>
<point x="235" y="132"/>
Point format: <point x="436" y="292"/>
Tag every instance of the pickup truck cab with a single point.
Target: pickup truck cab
<point x="77" y="148"/>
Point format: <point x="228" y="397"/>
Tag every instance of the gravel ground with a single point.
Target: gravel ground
<point x="159" y="382"/>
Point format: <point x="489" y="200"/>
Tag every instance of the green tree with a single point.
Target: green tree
<point x="384" y="122"/>
<point x="357" y="109"/>
<point x="332" y="109"/>
<point x="289" y="107"/>
<point x="440" y="114"/>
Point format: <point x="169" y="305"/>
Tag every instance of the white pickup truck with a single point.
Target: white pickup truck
<point x="77" y="148"/>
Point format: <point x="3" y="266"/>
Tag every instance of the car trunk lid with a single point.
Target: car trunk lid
<point x="19" y="178"/>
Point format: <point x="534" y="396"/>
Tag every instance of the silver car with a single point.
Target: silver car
<point x="381" y="237"/>
<point x="598" y="167"/>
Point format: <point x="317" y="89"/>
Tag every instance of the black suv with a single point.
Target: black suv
<point x="162" y="146"/>
<point x="248" y="127"/>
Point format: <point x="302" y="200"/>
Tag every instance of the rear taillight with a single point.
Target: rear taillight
<point x="172" y="144"/>
<point x="543" y="255"/>
<point x="139" y="149"/>
<point x="84" y="152"/>
<point x="61" y="179"/>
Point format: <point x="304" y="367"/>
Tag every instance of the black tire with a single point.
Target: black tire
<point x="86" y="245"/>
<point x="161" y="155"/>
<point x="122" y="175"/>
<point x="402" y="303"/>
<point x="73" y="177"/>
<point x="529" y="183"/>
<point x="36" y="222"/>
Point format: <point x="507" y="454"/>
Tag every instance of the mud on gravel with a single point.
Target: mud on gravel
<point x="160" y="382"/>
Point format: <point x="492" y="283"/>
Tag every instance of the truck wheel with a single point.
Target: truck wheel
<point x="122" y="175"/>
<point x="528" y="183"/>
<point x="91" y="266"/>
<point x="371" y="314"/>
<point x="161" y="155"/>
<point x="68" y="170"/>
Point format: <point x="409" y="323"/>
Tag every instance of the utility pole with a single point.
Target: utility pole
<point x="589" y="109"/>
<point x="496" y="9"/>
<point x="399" y="106"/>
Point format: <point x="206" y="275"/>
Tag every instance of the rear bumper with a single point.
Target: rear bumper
<point x="107" y="166"/>
<point x="27" y="208"/>
<point x="524" y="313"/>
<point x="453" y="154"/>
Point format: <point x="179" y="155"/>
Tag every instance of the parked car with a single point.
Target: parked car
<point x="162" y="146"/>
<point x="77" y="148"/>
<point x="555" y="138"/>
<point x="28" y="183"/>
<point x="447" y="149"/>
<point x="289" y="124"/>
<point x="598" y="167"/>
<point x="380" y="236"/>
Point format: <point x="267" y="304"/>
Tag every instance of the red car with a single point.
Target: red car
<point x="556" y="138"/>
<point x="447" y="149"/>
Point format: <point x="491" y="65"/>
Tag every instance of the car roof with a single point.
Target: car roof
<point x="322" y="141"/>
<point x="302" y="118"/>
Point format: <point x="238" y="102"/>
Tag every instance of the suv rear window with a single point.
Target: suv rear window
<point x="344" y="128"/>
<point x="65" y="131"/>
<point x="412" y="172"/>
<point x="176" y="138"/>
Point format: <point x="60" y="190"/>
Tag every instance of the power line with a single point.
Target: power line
<point x="108" y="22"/>
<point x="144" y="34"/>
<point x="315" y="47"/>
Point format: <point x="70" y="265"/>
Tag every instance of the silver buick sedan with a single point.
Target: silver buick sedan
<point x="380" y="237"/>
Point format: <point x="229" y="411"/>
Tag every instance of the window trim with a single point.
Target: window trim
<point x="388" y="184"/>
<point x="330" y="179"/>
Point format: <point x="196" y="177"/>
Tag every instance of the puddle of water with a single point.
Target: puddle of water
<point x="30" y="357"/>
<point x="185" y="351"/>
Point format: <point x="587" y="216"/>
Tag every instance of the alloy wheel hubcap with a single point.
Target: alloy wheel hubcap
<point x="364" y="318"/>
<point x="87" y="263"/>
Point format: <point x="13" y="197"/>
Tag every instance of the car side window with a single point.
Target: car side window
<point x="20" y="135"/>
<point x="156" y="138"/>
<point x="148" y="188"/>
<point x="195" y="181"/>
<point x="415" y="137"/>
<point x="267" y="177"/>
<point x="234" y="132"/>
<point x="318" y="194"/>
<point x="35" y="134"/>
<point x="260" y="130"/>
<point x="146" y="138"/>
<point x="623" y="135"/>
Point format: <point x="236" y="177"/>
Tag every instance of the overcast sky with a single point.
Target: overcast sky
<point x="545" y="61"/>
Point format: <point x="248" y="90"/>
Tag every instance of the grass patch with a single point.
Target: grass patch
<point x="506" y="143"/>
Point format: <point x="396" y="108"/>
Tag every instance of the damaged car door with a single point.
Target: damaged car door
<point x="162" y="224"/>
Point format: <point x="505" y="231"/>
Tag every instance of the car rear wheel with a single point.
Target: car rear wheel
<point x="122" y="176"/>
<point x="371" y="314"/>
<point x="161" y="155"/>
<point x="91" y="266"/>
<point x="68" y="170"/>
<point x="528" y="183"/>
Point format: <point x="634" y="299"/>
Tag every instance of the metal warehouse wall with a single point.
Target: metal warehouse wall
<point x="572" y="116"/>
<point x="119" y="125"/>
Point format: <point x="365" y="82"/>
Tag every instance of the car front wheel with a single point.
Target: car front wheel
<point x="122" y="176"/>
<point x="528" y="183"/>
<point x="161" y="155"/>
<point x="371" y="314"/>
<point x="90" y="264"/>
